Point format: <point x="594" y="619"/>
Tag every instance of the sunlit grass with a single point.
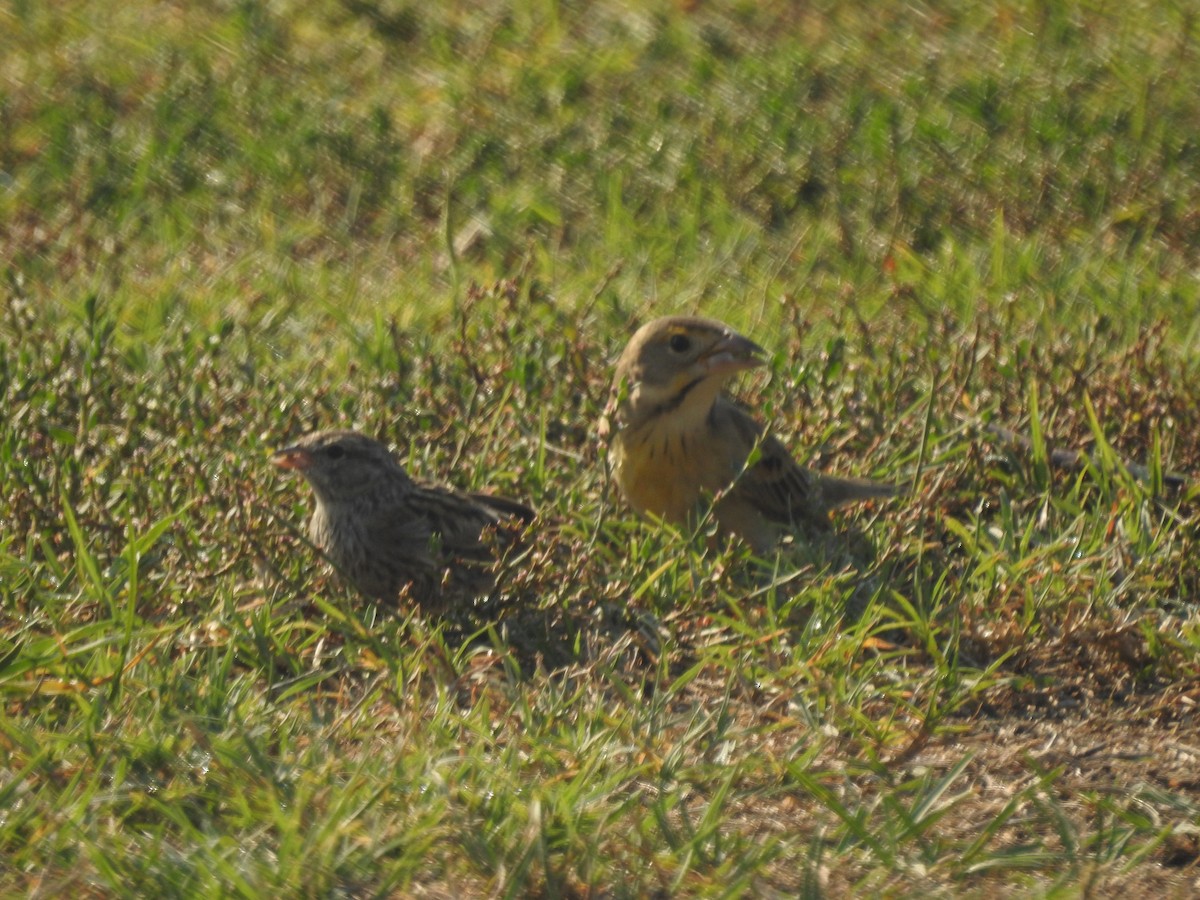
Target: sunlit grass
<point x="221" y="226"/>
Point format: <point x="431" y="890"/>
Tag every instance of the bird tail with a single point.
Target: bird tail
<point x="506" y="508"/>
<point x="838" y="491"/>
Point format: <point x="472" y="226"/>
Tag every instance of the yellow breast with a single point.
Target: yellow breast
<point x="666" y="473"/>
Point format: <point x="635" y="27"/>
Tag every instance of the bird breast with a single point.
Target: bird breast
<point x="339" y="536"/>
<point x="663" y="469"/>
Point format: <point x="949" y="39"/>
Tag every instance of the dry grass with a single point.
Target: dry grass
<point x="440" y="227"/>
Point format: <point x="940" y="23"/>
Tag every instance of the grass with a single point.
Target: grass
<point x="224" y="224"/>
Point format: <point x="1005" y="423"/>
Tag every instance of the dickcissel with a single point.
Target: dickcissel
<point x="678" y="443"/>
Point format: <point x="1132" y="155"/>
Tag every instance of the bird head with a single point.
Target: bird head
<point x="340" y="465"/>
<point x="681" y="362"/>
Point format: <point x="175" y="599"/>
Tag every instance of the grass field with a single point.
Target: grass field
<point x="225" y="223"/>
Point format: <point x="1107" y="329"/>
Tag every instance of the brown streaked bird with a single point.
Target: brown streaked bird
<point x="677" y="439"/>
<point x="387" y="532"/>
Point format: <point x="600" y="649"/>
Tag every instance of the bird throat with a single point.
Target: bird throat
<point x="684" y="409"/>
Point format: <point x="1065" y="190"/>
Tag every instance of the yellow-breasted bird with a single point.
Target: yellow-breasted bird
<point x="388" y="533"/>
<point x="677" y="439"/>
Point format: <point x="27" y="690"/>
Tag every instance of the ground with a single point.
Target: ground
<point x="222" y="225"/>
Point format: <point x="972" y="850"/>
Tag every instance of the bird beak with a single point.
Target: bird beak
<point x="733" y="353"/>
<point x="292" y="458"/>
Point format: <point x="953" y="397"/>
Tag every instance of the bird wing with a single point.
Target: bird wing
<point x="465" y="533"/>
<point x="775" y="484"/>
<point x="783" y="490"/>
<point x="452" y="522"/>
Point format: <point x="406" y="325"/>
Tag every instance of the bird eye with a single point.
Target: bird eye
<point x="679" y="343"/>
<point x="335" y="451"/>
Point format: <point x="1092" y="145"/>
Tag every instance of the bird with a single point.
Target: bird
<point x="392" y="535"/>
<point x="676" y="439"/>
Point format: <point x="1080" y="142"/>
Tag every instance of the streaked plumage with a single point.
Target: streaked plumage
<point x="388" y="533"/>
<point x="676" y="439"/>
